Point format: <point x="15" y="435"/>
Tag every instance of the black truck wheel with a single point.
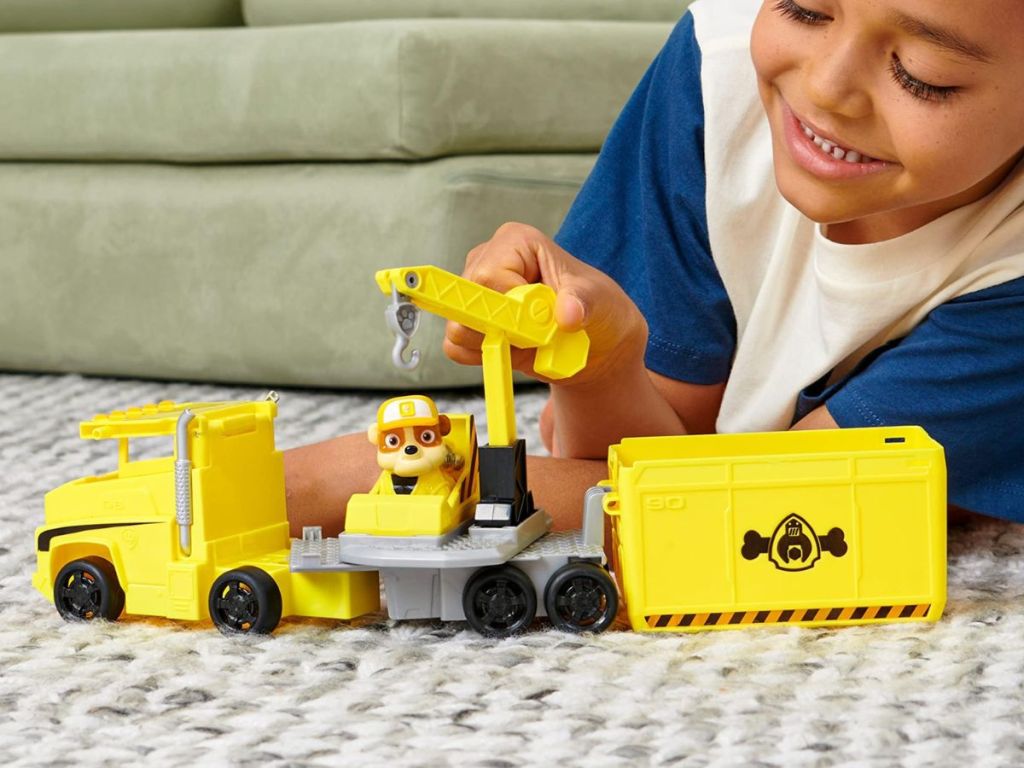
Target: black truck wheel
<point x="499" y="601"/>
<point x="245" y="600"/>
<point x="88" y="589"/>
<point x="581" y="597"/>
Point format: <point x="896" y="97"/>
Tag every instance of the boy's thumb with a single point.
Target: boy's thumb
<point x="570" y="310"/>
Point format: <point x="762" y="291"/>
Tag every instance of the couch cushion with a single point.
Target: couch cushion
<point x="247" y="273"/>
<point x="69" y="15"/>
<point x="355" y="91"/>
<point x="275" y="12"/>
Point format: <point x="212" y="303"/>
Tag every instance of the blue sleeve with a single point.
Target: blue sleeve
<point x="960" y="375"/>
<point x="641" y="218"/>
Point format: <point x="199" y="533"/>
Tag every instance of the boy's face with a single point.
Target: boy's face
<point x="919" y="104"/>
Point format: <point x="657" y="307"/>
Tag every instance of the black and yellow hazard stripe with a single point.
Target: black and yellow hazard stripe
<point x="787" y="616"/>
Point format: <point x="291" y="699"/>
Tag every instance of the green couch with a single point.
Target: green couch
<point x="202" y="189"/>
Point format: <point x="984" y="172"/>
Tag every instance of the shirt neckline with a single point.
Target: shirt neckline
<point x="933" y="245"/>
<point x="930" y="245"/>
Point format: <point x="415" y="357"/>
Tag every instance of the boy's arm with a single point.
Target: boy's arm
<point x="320" y="478"/>
<point x="633" y="407"/>
<point x="591" y="415"/>
<point x="615" y="396"/>
<point x="635" y="403"/>
<point x="819" y="418"/>
<point x="696" y="404"/>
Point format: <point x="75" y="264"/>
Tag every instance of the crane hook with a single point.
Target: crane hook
<point x="403" y="319"/>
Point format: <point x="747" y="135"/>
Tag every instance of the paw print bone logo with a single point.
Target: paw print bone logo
<point x="794" y="546"/>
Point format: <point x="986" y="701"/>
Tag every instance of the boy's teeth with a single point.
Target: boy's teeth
<point x="849" y="155"/>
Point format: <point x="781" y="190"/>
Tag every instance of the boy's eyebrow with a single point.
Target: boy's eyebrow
<point x="946" y="38"/>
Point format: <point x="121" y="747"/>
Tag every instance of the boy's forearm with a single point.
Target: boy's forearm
<point x="590" y="417"/>
<point x="320" y="478"/>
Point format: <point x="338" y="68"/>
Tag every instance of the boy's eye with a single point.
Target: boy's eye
<point x="918" y="88"/>
<point x="791" y="10"/>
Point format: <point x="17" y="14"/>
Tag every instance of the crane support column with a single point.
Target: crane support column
<point x="501" y="414"/>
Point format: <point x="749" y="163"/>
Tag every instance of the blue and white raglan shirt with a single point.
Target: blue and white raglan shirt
<point x="739" y="287"/>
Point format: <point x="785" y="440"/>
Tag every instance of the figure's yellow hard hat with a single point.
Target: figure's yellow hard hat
<point x="408" y="411"/>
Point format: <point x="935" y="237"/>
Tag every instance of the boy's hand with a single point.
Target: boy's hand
<point x="585" y="298"/>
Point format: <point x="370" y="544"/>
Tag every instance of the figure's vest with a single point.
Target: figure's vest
<point x="433" y="483"/>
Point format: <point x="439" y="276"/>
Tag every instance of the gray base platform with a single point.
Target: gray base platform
<point x="426" y="577"/>
<point x="466" y="547"/>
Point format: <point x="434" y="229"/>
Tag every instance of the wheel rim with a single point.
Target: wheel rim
<point x="81" y="595"/>
<point x="237" y="606"/>
<point x="501" y="604"/>
<point x="581" y="601"/>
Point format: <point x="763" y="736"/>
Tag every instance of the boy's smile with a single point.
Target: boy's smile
<point x="886" y="114"/>
<point x="822" y="154"/>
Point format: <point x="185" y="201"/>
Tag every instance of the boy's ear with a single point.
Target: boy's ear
<point x="444" y="424"/>
<point x="371" y="433"/>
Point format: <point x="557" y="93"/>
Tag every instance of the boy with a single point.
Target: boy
<point x="809" y="215"/>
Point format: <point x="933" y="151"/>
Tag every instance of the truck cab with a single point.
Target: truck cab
<point x="199" y="532"/>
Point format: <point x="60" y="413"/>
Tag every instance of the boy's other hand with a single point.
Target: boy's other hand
<point x="586" y="298"/>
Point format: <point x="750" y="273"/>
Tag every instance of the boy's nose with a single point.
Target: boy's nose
<point x="411" y="450"/>
<point x="834" y="82"/>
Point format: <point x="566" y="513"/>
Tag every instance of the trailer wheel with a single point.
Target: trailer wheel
<point x="581" y="597"/>
<point x="499" y="601"/>
<point x="88" y="589"/>
<point x="245" y="601"/>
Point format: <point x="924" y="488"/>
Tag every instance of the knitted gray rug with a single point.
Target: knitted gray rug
<point x="374" y="692"/>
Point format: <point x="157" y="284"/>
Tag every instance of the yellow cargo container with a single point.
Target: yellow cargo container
<point x="828" y="527"/>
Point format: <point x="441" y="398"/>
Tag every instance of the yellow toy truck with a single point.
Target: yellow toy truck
<point x="198" y="533"/>
<point x="202" y="533"/>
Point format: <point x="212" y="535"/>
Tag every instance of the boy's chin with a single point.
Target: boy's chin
<point x="847" y="220"/>
<point x="822" y="207"/>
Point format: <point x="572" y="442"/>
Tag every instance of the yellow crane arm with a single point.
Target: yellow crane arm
<point x="524" y="317"/>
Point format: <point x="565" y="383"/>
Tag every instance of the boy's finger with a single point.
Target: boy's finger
<point x="570" y="310"/>
<point x="523" y="359"/>
<point x="508" y="259"/>
<point x="494" y="275"/>
<point x="462" y="336"/>
<point x="461" y="355"/>
<point x="547" y="426"/>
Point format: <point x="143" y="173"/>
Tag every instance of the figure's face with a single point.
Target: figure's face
<point x="919" y="103"/>
<point x="411" y="451"/>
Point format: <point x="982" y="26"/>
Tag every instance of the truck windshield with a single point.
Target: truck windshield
<point x="146" y="448"/>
